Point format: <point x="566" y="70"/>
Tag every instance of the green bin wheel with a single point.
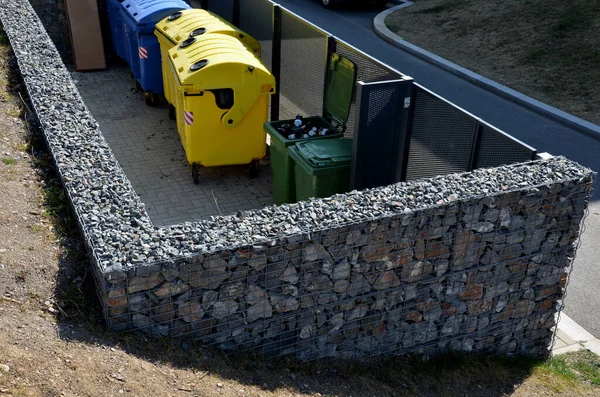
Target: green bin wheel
<point x="151" y="99"/>
<point x="254" y="166"/>
<point x="172" y="114"/>
<point x="195" y="173"/>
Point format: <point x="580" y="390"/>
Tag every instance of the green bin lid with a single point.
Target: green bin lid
<point x="326" y="152"/>
<point x="341" y="79"/>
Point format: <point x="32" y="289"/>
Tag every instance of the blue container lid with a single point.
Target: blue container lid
<point x="151" y="11"/>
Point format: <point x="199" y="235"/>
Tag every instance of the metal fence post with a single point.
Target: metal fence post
<point x="405" y="150"/>
<point x="235" y="18"/>
<point x="475" y="147"/>
<point x="380" y="133"/>
<point x="276" y="61"/>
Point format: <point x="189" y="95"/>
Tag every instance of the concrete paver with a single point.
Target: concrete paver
<point x="147" y="145"/>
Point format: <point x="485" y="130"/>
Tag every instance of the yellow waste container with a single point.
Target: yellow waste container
<point x="222" y="100"/>
<point x="187" y="24"/>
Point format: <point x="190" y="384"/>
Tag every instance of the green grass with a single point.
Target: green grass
<point x="548" y="50"/>
<point x="9" y="161"/>
<point x="583" y="366"/>
<point x="3" y="37"/>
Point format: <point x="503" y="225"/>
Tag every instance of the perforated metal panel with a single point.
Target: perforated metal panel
<point x="256" y="19"/>
<point x="368" y="70"/>
<point x="380" y="136"/>
<point x="441" y="137"/>
<point x="498" y="148"/>
<point x="303" y="64"/>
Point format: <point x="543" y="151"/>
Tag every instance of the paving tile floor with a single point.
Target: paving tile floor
<point x="146" y="143"/>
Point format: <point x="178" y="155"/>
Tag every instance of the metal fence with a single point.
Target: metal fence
<point x="436" y="137"/>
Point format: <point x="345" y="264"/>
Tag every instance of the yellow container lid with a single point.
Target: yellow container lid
<point x="195" y="22"/>
<point x="216" y="62"/>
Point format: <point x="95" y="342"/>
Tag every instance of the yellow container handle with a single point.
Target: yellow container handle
<point x="243" y="103"/>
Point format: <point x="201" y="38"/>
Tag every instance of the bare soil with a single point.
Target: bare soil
<point x="547" y="49"/>
<point x="54" y="343"/>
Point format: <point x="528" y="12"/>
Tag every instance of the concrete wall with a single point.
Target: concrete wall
<point x="474" y="262"/>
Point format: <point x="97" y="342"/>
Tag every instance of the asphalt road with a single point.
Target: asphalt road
<point x="354" y="25"/>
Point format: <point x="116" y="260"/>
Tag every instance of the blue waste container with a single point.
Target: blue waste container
<point x="142" y="50"/>
<point x="115" y="18"/>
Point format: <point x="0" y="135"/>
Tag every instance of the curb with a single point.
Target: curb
<point x="578" y="337"/>
<point x="586" y="127"/>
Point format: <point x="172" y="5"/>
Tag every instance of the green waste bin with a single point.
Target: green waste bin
<point x="321" y="168"/>
<point x="341" y="80"/>
<point x="284" y="190"/>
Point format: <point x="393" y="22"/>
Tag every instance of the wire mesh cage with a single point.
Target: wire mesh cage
<point x="256" y="19"/>
<point x="486" y="274"/>
<point x="303" y="66"/>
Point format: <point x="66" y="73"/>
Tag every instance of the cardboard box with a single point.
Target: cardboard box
<point x="86" y="34"/>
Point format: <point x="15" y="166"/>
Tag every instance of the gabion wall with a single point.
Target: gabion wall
<point x="53" y="15"/>
<point x="475" y="262"/>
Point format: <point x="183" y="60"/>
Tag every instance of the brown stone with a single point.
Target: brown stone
<point x="375" y="253"/>
<point x="117" y="302"/>
<point x="545" y="305"/>
<point x="116" y="293"/>
<point x="190" y="311"/>
<point x="472" y="292"/>
<point x="415" y="317"/>
<point x="480" y="306"/>
<point x="138" y="284"/>
<point x="380" y="329"/>
<point x="545" y="292"/>
<point x="419" y="250"/>
<point x="517" y="266"/>
<point x="164" y="311"/>
<point x="448" y="309"/>
<point x="563" y="280"/>
<point x="437" y="250"/>
<point x="386" y="280"/>
<point x="170" y="289"/>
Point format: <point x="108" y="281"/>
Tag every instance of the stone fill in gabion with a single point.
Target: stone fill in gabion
<point x="475" y="262"/>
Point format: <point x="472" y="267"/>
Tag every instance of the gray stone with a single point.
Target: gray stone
<point x="142" y="322"/>
<point x="290" y="275"/>
<point x="358" y="312"/>
<point x="341" y="270"/>
<point x="258" y="310"/>
<point x="222" y="309"/>
<point x="314" y="252"/>
<point x="138" y="284"/>
<point x="255" y="295"/>
<point x="285" y="305"/>
<point x="210" y="279"/>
